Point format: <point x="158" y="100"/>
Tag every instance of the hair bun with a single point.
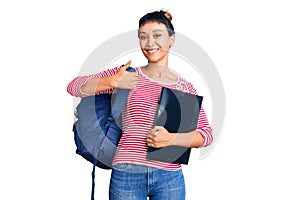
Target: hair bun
<point x="167" y="14"/>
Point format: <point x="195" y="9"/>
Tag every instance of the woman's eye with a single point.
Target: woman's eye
<point x="142" y="37"/>
<point x="157" y="35"/>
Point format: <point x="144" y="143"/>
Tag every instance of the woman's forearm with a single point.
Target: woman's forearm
<point x="95" y="85"/>
<point x="159" y="137"/>
<point x="191" y="139"/>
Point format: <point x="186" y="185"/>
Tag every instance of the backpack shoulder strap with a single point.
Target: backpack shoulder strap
<point x="119" y="100"/>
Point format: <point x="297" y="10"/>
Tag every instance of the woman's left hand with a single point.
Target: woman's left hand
<point x="159" y="137"/>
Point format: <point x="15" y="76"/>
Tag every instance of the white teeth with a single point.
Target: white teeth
<point x="152" y="51"/>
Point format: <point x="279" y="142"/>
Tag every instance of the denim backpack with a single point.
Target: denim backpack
<point x="97" y="130"/>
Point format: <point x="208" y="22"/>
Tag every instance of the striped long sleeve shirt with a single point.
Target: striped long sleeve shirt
<point x="139" y="114"/>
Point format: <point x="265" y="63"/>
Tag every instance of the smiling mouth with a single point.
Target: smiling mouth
<point x="152" y="50"/>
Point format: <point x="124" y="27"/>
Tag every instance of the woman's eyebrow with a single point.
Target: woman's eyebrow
<point x="157" y="30"/>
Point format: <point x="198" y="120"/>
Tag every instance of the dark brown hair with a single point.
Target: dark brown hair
<point x="160" y="17"/>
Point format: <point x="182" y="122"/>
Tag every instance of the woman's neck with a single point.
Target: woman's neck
<point x="156" y="67"/>
<point x="159" y="73"/>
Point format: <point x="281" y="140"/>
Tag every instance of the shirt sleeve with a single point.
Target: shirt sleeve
<point x="203" y="126"/>
<point x="74" y="87"/>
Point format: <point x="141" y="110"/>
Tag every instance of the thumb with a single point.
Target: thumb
<point x="124" y="67"/>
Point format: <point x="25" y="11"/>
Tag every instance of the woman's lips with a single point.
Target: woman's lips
<point x="152" y="50"/>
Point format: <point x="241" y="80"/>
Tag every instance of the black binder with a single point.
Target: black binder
<point x="178" y="112"/>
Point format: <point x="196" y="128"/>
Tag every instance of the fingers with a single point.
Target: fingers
<point x="152" y="137"/>
<point x="152" y="133"/>
<point x="151" y="142"/>
<point x="155" y="130"/>
<point x="133" y="77"/>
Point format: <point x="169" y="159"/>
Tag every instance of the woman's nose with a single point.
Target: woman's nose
<point x="151" y="41"/>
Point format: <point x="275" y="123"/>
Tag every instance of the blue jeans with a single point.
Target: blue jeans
<point x="136" y="182"/>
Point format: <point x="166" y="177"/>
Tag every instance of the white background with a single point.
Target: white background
<point x="254" y="45"/>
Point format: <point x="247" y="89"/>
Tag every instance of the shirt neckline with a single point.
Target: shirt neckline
<point x="155" y="81"/>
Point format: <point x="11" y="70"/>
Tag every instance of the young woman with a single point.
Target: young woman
<point x="133" y="176"/>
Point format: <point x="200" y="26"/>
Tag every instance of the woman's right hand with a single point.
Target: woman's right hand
<point x="124" y="79"/>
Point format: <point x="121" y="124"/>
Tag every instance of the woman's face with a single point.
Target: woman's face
<point x="155" y="42"/>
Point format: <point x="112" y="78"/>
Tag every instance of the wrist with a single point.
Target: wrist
<point x="173" y="142"/>
<point x="113" y="81"/>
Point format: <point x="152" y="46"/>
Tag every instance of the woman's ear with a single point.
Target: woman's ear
<point x="172" y="40"/>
